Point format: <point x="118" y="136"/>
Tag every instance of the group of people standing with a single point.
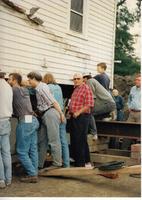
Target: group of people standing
<point x="37" y="103"/>
<point x="38" y="127"/>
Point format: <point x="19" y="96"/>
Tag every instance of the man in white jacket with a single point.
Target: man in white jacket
<point x="6" y="97"/>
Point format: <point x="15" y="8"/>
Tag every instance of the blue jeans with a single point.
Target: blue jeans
<point x="5" y="155"/>
<point x="51" y="120"/>
<point x="120" y="115"/>
<point x="26" y="145"/>
<point x="64" y="145"/>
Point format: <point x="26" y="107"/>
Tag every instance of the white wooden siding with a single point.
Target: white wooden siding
<point x="25" y="46"/>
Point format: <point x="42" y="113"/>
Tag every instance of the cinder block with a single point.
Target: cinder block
<point x="136" y="152"/>
<point x="98" y="145"/>
<point x="135" y="147"/>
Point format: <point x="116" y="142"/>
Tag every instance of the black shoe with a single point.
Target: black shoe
<point x="29" y="179"/>
<point x="52" y="167"/>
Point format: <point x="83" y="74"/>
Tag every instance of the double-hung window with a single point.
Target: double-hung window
<point x="77" y="15"/>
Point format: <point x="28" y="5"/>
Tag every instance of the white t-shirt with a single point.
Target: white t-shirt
<point x="6" y="98"/>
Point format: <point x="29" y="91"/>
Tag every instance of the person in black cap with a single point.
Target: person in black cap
<point x="104" y="102"/>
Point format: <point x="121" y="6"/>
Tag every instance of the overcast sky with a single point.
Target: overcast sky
<point x="136" y="29"/>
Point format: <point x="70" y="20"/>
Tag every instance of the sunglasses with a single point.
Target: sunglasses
<point x="76" y="79"/>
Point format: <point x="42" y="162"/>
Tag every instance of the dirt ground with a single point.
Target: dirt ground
<point x="87" y="186"/>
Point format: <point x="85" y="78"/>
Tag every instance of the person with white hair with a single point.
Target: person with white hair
<point x="80" y="107"/>
<point x="6" y="97"/>
<point x="119" y="104"/>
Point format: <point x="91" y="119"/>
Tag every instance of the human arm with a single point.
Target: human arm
<point x="88" y="102"/>
<point x="129" y="100"/>
<point x="48" y="99"/>
<point x="57" y="107"/>
<point x="82" y="110"/>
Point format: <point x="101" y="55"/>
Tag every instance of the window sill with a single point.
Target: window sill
<point x="77" y="35"/>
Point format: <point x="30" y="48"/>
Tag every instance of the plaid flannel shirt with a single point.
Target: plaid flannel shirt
<point x="82" y="96"/>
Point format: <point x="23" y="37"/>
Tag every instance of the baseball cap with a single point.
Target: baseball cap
<point x="2" y="72"/>
<point x="87" y="74"/>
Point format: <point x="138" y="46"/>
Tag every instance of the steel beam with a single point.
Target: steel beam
<point x="119" y="129"/>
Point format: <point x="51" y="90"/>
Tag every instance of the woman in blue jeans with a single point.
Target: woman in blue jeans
<point x="57" y="93"/>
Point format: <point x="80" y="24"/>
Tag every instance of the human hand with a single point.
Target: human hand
<point x="76" y="114"/>
<point x="62" y="117"/>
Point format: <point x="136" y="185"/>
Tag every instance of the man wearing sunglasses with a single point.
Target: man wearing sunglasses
<point x="80" y="108"/>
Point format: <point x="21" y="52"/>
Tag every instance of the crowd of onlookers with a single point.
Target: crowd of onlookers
<point x="38" y="104"/>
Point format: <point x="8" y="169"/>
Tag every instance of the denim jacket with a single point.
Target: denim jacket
<point x="56" y="91"/>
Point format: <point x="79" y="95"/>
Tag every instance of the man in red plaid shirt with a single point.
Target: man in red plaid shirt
<point x="80" y="108"/>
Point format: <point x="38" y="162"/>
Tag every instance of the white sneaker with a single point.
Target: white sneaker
<point x="2" y="184"/>
<point x="107" y="119"/>
<point x="8" y="183"/>
<point x="88" y="165"/>
<point x="72" y="160"/>
<point x="95" y="137"/>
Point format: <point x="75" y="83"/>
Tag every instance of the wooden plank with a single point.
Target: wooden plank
<point x="73" y="171"/>
<point x="82" y="171"/>
<point x="118" y="152"/>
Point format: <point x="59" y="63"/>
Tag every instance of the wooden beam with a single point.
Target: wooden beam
<point x="82" y="171"/>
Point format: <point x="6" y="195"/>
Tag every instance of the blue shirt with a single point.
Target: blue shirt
<point x="56" y="91"/>
<point x="134" y="98"/>
<point x="119" y="102"/>
<point x="103" y="79"/>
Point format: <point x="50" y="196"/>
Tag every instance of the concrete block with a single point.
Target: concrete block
<point x="136" y="152"/>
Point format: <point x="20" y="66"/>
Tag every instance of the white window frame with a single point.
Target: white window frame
<point x="82" y="35"/>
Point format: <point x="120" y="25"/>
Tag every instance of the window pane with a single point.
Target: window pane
<point x="77" y="5"/>
<point x="76" y="22"/>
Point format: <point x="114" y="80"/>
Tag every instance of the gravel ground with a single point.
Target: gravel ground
<point x="87" y="186"/>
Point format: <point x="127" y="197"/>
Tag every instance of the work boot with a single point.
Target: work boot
<point x="29" y="179"/>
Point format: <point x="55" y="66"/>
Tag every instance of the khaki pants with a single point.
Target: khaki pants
<point x="134" y="117"/>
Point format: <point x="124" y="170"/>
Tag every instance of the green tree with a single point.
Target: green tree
<point x="124" y="49"/>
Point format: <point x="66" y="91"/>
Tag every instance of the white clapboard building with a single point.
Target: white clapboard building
<point x="61" y="37"/>
<point x="57" y="36"/>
